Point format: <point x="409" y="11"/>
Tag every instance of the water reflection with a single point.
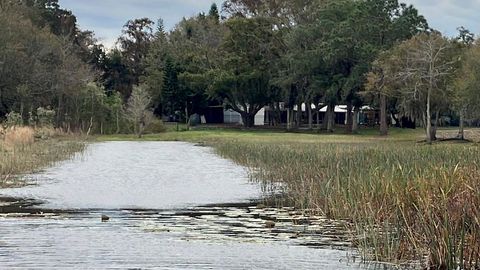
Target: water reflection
<point x="153" y="194"/>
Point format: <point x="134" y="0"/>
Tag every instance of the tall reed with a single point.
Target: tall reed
<point x="21" y="153"/>
<point x="407" y="201"/>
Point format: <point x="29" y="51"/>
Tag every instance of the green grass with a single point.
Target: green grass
<point x="224" y="134"/>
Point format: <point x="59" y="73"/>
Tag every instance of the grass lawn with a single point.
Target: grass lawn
<point x="212" y="135"/>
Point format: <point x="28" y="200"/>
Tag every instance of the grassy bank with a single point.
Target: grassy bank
<point x="407" y="200"/>
<point x="26" y="150"/>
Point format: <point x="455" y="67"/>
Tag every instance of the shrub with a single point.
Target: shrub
<point x="156" y="126"/>
<point x="47" y="133"/>
<point x="13" y="119"/>
<point x="45" y="116"/>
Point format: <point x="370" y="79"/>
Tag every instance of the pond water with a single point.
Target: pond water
<point x="170" y="205"/>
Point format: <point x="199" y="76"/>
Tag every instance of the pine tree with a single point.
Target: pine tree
<point x="171" y="90"/>
<point x="213" y="13"/>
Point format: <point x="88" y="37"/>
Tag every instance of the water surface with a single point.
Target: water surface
<point x="171" y="206"/>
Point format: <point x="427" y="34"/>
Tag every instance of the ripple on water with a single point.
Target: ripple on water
<point x="67" y="231"/>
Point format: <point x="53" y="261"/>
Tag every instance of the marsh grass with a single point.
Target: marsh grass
<point x="406" y="201"/>
<point x="21" y="153"/>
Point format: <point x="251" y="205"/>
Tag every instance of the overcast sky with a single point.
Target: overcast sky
<point x="106" y="17"/>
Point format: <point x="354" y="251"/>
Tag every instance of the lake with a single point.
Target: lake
<point x="171" y="205"/>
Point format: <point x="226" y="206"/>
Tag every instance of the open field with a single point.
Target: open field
<point x="406" y="200"/>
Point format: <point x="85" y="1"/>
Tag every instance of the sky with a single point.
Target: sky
<point x="107" y="17"/>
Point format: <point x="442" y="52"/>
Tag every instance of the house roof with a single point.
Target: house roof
<point x="338" y="109"/>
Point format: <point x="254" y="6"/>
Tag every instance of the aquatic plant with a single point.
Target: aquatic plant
<point x="407" y="201"/>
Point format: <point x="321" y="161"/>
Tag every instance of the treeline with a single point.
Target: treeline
<point x="253" y="54"/>
<point x="45" y="62"/>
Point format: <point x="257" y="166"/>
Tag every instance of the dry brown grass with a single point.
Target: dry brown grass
<point x="19" y="137"/>
<point x="25" y="150"/>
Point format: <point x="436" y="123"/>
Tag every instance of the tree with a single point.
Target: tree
<point x="38" y="68"/>
<point x="463" y="95"/>
<point x="243" y="80"/>
<point x="467" y="93"/>
<point x="117" y="77"/>
<point x="173" y="98"/>
<point x="377" y="25"/>
<point x="135" y="43"/>
<point x="178" y="64"/>
<point x="137" y="110"/>
<point x="213" y="13"/>
<point x="418" y="71"/>
<point x="332" y="44"/>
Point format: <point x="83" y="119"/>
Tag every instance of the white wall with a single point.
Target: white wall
<point x="233" y="117"/>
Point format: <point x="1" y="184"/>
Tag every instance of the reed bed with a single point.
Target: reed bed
<point x="25" y="150"/>
<point x="406" y="201"/>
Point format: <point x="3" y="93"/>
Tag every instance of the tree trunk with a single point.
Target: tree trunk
<point x="330" y="118"/>
<point x="267" y="116"/>
<point x="356" y="113"/>
<point x="140" y="129"/>
<point x="428" y="124"/>
<point x="289" y="127"/>
<point x="187" y="116"/>
<point x="90" y="126"/>
<point x="299" y="115"/>
<point x="461" y="130"/>
<point x="22" y="108"/>
<point x="277" y="117"/>
<point x="248" y="120"/>
<point x="117" y="121"/>
<point x="349" y="125"/>
<point x="435" y="126"/>
<point x="310" y="115"/>
<point x="59" y="110"/>
<point x="383" y="115"/>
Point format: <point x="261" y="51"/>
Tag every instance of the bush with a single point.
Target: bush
<point x="45" y="116"/>
<point x="156" y="126"/>
<point x="13" y="119"/>
<point x="47" y="133"/>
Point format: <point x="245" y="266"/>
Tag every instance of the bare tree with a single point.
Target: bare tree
<point x="137" y="110"/>
<point x="417" y="72"/>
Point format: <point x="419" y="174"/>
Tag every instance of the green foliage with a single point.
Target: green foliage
<point x="156" y="126"/>
<point x="467" y="82"/>
<point x="45" y="116"/>
<point x="243" y="81"/>
<point x="418" y="72"/>
<point x="213" y="13"/>
<point x="13" y="119"/>
<point x="172" y="96"/>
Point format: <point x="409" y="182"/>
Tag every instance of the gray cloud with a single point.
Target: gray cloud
<point x="106" y="17"/>
<point x="447" y="15"/>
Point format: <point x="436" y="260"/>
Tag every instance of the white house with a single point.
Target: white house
<point x="233" y="117"/>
